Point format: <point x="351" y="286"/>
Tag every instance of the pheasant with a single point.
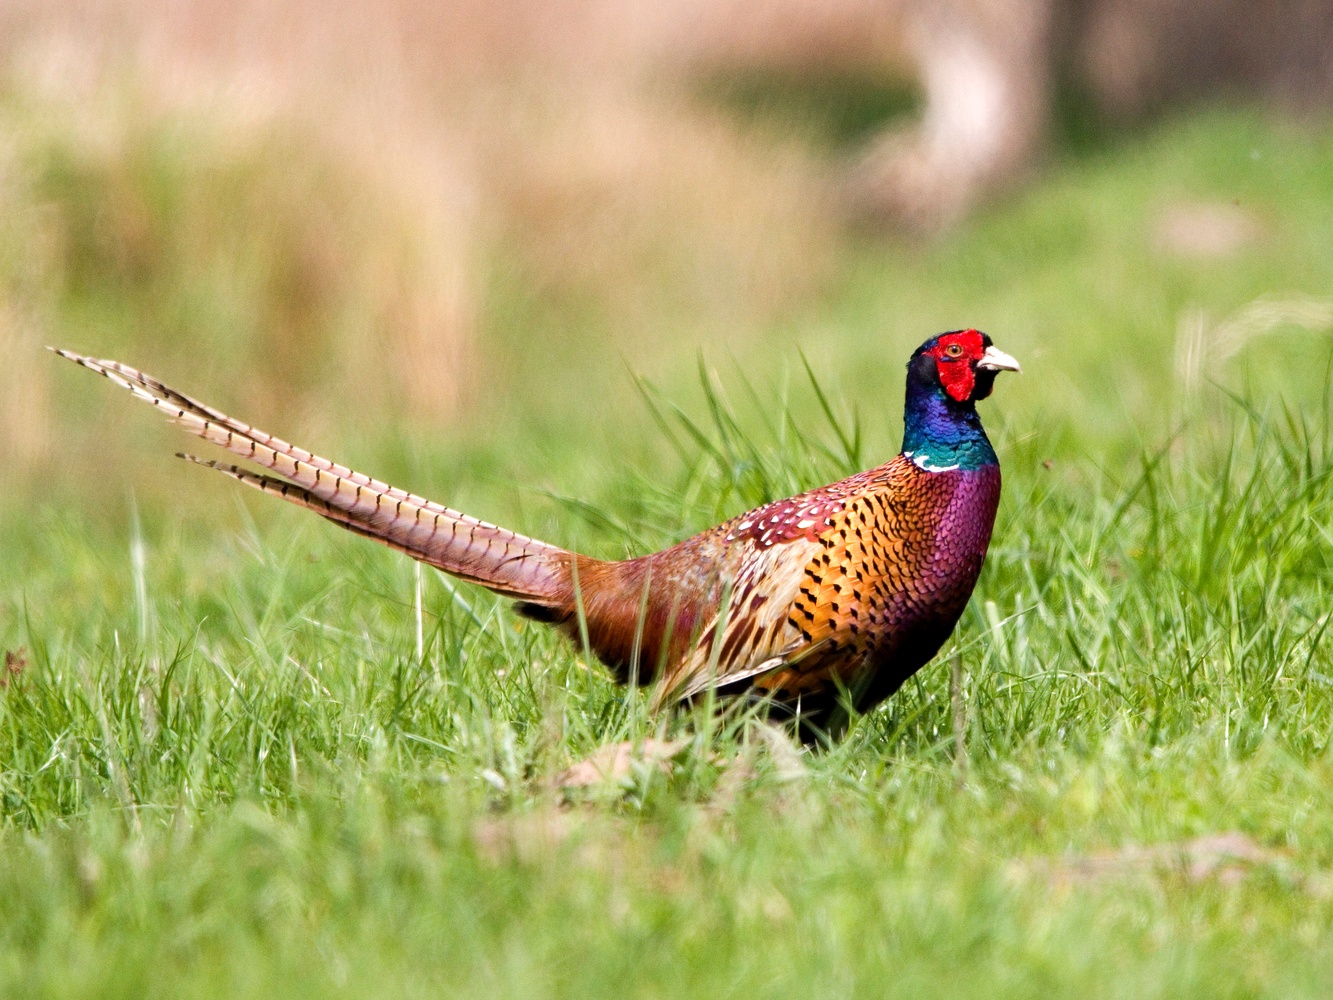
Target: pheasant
<point x="822" y="601"/>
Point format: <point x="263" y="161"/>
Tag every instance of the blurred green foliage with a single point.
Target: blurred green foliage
<point x="838" y="107"/>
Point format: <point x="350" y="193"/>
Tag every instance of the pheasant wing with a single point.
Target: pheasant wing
<point x="812" y="589"/>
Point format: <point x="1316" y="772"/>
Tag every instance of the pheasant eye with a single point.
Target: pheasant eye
<point x="954" y="350"/>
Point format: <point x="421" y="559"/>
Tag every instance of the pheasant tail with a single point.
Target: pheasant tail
<point x="504" y="561"/>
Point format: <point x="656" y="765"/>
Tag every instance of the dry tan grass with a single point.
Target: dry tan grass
<point x="1202" y="347"/>
<point x="398" y="147"/>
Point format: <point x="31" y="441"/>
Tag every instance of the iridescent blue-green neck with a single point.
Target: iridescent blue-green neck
<point x="940" y="434"/>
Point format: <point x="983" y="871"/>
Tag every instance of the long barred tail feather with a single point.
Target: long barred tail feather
<point x="502" y="560"/>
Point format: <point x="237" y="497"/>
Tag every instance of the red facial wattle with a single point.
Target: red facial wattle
<point x="955" y="355"/>
<point x="957" y="378"/>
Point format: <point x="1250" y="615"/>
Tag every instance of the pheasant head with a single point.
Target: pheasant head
<point x="945" y="377"/>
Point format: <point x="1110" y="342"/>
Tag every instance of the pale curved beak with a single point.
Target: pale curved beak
<point x="997" y="361"/>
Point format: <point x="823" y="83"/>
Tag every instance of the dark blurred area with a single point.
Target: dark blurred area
<point x="326" y="206"/>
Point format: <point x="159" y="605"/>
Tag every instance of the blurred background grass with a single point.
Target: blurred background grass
<point x="466" y="275"/>
<point x="266" y="275"/>
<point x="322" y="224"/>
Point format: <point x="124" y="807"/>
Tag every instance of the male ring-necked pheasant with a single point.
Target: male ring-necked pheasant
<point x="849" y="588"/>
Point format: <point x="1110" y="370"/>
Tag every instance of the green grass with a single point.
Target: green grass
<point x="226" y="770"/>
